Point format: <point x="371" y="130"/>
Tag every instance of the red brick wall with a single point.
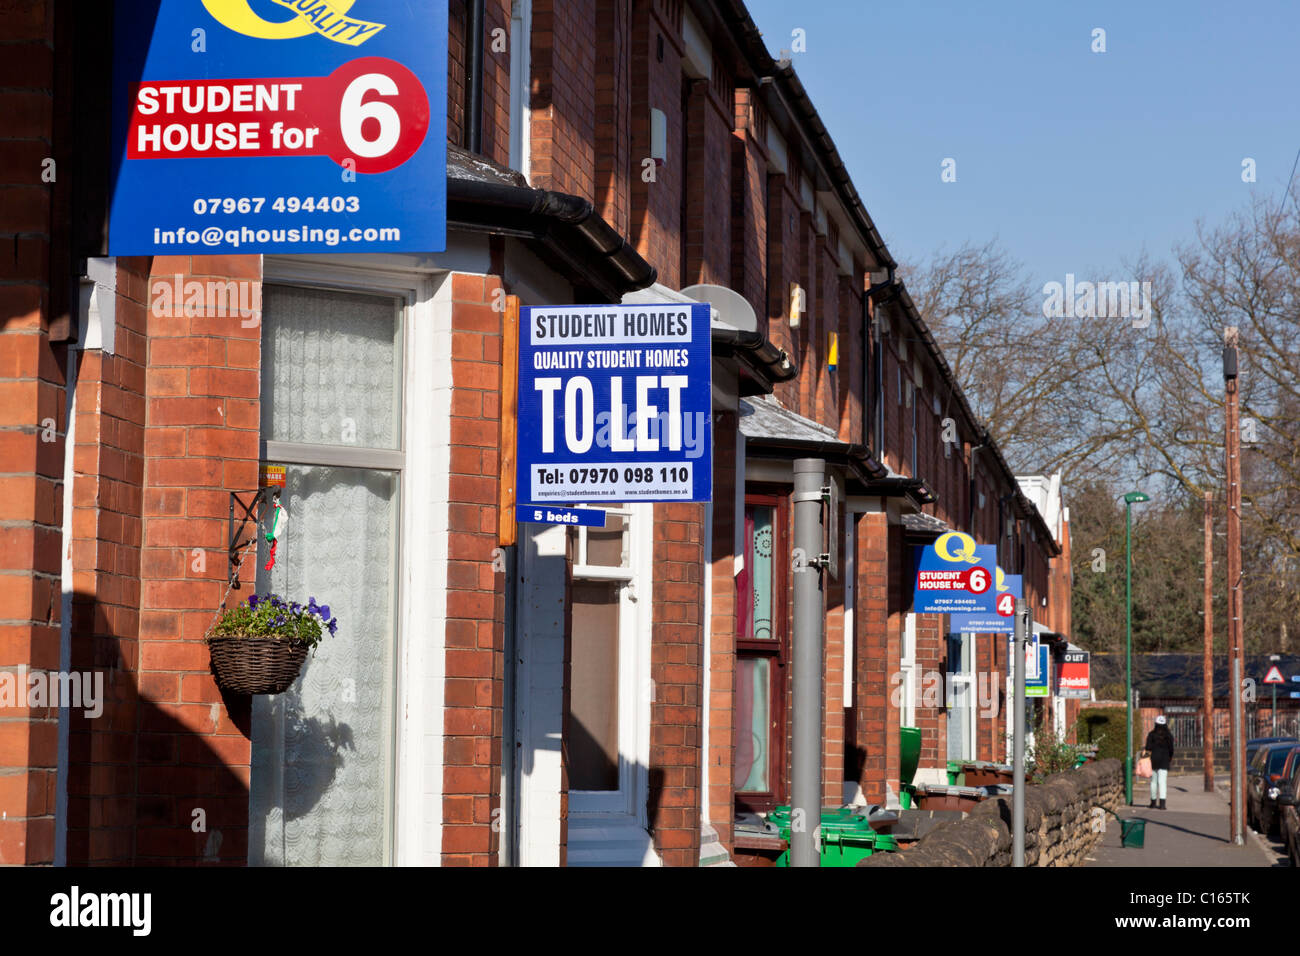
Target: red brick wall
<point x="475" y="592"/>
<point x="877" y="650"/>
<point x="31" y="409"/>
<point x="676" y="648"/>
<point x="496" y="79"/>
<point x="107" y="494"/>
<point x="722" y="631"/>
<point x="833" y="692"/>
<point x="613" y="85"/>
<point x="828" y="322"/>
<point x="166" y="428"/>
<point x="782" y="269"/>
<point x="707" y="181"/>
<point x="852" y="332"/>
<point x="563" y="118"/>
<point x="930" y="715"/>
<point x="656" y="206"/>
<point x="749" y="205"/>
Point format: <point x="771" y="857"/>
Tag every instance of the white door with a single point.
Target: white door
<point x="608" y="725"/>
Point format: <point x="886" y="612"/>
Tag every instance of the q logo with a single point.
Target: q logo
<point x="1001" y="581"/>
<point x="965" y="552"/>
<point x="326" y="17"/>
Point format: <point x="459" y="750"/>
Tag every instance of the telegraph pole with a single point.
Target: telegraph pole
<point x="1207" y="719"/>
<point x="1232" y="470"/>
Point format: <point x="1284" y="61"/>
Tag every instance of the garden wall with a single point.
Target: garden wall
<point x="1060" y="825"/>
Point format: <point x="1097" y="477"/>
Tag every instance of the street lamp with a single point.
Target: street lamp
<point x="1130" y="499"/>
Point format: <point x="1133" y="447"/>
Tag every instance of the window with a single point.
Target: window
<point x="762" y="647"/>
<point x="321" y="790"/>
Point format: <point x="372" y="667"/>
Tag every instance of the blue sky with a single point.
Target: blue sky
<point x="1076" y="161"/>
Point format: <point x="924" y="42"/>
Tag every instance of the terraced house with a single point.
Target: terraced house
<point x="583" y="696"/>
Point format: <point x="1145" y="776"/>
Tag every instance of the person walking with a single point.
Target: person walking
<point x="1160" y="746"/>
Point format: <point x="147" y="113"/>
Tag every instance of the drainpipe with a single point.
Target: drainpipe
<point x="509" y="845"/>
<point x="807" y="692"/>
<point x="971" y="491"/>
<point x="474" y="77"/>
<point x="1024" y="625"/>
<point x="873" y="370"/>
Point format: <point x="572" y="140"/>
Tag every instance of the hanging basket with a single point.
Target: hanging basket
<point x="256" y="665"/>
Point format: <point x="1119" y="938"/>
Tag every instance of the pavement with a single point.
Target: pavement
<point x="1194" y="831"/>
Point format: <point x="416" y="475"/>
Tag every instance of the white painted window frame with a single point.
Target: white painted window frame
<point x="965" y="676"/>
<point x="521" y="33"/>
<point x="907" y="668"/>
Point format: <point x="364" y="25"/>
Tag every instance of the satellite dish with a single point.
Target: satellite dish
<point x="732" y="308"/>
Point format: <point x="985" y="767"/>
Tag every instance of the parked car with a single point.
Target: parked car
<point x="1263" y="774"/>
<point x="1289" y="813"/>
<point x="1268" y="807"/>
<point x="1254" y="743"/>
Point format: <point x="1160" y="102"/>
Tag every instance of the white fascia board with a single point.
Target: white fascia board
<point x="698" y="59"/>
<point x="99" y="305"/>
<point x="819" y="216"/>
<point x="776" y="150"/>
<point x="845" y="257"/>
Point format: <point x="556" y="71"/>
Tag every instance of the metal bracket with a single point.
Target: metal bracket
<point x="255" y="511"/>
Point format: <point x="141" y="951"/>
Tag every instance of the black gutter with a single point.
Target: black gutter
<point x="856" y="458"/>
<point x="899" y="485"/>
<point x="872" y="476"/>
<point x="762" y="362"/>
<point x="839" y="176"/>
<point x="564" y="229"/>
<point x="474" y="77"/>
<point x="770" y="75"/>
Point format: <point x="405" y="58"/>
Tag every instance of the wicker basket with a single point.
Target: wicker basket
<point x="255" y="665"/>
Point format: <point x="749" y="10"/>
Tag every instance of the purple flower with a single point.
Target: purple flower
<point x="333" y="625"/>
<point x="252" y="600"/>
<point x="323" y="610"/>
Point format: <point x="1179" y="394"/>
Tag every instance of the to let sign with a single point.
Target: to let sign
<point x="955" y="576"/>
<point x="614" y="403"/>
<point x="1072" y="675"/>
<point x="289" y="126"/>
<point x="1001" y="620"/>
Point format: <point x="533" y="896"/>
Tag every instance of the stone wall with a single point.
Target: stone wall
<point x="1060" y="825"/>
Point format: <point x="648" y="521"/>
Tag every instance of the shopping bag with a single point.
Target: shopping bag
<point x="1144" y="767"/>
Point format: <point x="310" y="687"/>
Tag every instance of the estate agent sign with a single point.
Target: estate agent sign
<point x="286" y="126"/>
<point x="614" y="404"/>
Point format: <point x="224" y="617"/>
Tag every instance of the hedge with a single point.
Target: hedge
<point x="1106" y="725"/>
